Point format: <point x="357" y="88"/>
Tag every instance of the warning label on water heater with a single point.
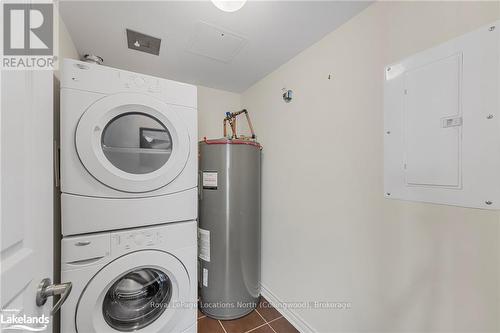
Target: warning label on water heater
<point x="205" y="277"/>
<point x="204" y="244"/>
<point x="210" y="180"/>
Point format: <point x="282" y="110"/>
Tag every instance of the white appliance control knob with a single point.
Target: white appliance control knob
<point x="139" y="81"/>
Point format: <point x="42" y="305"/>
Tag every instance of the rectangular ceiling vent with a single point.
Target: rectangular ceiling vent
<point x="144" y="43"/>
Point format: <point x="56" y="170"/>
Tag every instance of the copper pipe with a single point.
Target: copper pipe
<point x="231" y="118"/>
<point x="250" y="124"/>
<point x="233" y="128"/>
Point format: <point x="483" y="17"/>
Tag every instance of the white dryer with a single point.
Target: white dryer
<point x="141" y="280"/>
<point x="125" y="136"/>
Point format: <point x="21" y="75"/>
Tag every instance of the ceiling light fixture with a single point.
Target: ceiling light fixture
<point x="229" y="6"/>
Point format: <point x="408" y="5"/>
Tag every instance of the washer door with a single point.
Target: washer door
<point x="126" y="296"/>
<point x="132" y="142"/>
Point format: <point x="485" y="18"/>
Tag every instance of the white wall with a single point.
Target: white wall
<point x="65" y="46"/>
<point x="212" y="106"/>
<point x="328" y="233"/>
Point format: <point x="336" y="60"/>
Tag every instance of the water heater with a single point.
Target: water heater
<point x="229" y="227"/>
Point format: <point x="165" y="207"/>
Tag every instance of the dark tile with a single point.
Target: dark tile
<point x="241" y="325"/>
<point x="267" y="311"/>
<point x="200" y="314"/>
<point x="283" y="326"/>
<point x="209" y="325"/>
<point x="263" y="329"/>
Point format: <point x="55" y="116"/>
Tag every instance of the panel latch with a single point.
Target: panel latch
<point x="454" y="121"/>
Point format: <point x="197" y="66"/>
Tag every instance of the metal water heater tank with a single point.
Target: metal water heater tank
<point x="229" y="227"/>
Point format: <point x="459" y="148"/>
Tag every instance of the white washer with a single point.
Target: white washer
<point x="141" y="280"/>
<point x="125" y="136"/>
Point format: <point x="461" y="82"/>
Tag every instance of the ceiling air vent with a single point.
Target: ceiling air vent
<point x="144" y="43"/>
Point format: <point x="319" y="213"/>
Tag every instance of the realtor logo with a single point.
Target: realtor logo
<point x="28" y="29"/>
<point x="28" y="36"/>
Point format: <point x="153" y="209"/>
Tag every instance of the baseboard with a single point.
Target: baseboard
<point x="297" y="321"/>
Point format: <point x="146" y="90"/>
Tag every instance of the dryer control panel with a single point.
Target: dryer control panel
<point x="107" y="80"/>
<point x="139" y="82"/>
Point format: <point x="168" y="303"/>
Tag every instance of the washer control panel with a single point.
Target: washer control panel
<point x="164" y="238"/>
<point x="135" y="240"/>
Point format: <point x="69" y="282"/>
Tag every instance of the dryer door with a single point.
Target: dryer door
<point x="144" y="291"/>
<point x="132" y="142"/>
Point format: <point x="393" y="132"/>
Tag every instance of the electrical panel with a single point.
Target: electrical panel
<point x="442" y="123"/>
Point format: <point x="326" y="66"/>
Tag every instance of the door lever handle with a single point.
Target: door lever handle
<point x="46" y="289"/>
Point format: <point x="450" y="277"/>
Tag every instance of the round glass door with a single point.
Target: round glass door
<point x="136" y="143"/>
<point x="132" y="142"/>
<point x="137" y="299"/>
<point x="137" y="292"/>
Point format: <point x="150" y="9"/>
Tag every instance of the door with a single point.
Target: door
<point x="26" y="236"/>
<point x="144" y="291"/>
<point x="433" y="123"/>
<point x="132" y="142"/>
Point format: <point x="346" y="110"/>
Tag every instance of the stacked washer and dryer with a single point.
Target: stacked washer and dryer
<point x="128" y="202"/>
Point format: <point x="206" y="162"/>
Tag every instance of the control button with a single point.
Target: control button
<point x="139" y="81"/>
<point x="117" y="239"/>
<point x="154" y="87"/>
<point x="150" y="240"/>
<point x="139" y="239"/>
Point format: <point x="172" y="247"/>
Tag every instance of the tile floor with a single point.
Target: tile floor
<point x="265" y="319"/>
